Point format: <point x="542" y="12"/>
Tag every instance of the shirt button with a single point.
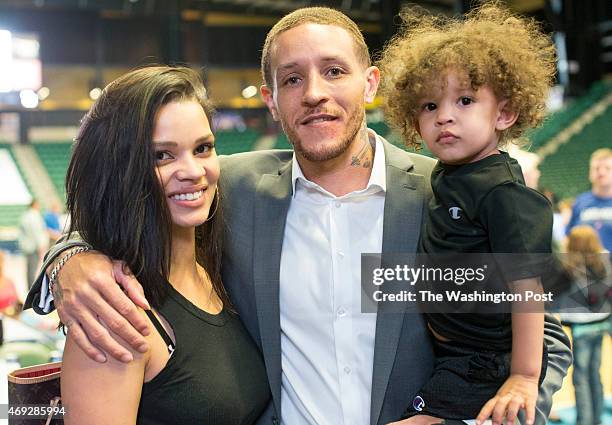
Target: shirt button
<point x="338" y="204"/>
<point x="340" y="254"/>
<point x="347" y="370"/>
<point x="341" y="312"/>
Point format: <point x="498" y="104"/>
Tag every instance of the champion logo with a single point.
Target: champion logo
<point x="418" y="403"/>
<point x="455" y="212"/>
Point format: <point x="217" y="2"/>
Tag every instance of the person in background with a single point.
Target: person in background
<point x="8" y="295"/>
<point x="565" y="210"/>
<point x="4" y="282"/>
<point x="52" y="219"/>
<point x="530" y="165"/>
<point x="591" y="272"/>
<point x="594" y="208"/>
<point x="33" y="239"/>
<point x="558" y="231"/>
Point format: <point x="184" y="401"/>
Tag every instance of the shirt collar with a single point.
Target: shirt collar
<point x="378" y="177"/>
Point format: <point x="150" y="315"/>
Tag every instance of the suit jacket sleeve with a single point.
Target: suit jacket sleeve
<point x="559" y="360"/>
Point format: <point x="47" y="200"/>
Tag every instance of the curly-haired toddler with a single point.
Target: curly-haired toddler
<point x="467" y="86"/>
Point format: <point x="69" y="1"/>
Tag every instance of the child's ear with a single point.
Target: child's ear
<point x="505" y="117"/>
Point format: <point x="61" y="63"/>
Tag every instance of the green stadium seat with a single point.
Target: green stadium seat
<point x="10" y="214"/>
<point x="282" y="142"/>
<point x="55" y="157"/>
<point x="380" y="127"/>
<point x="559" y="120"/>
<point x="566" y="172"/>
<point x="232" y="141"/>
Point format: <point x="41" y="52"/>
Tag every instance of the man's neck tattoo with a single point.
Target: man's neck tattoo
<point x="363" y="158"/>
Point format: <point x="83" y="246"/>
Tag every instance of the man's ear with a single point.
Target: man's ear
<point x="372" y="80"/>
<point x="505" y="117"/>
<point x="268" y="98"/>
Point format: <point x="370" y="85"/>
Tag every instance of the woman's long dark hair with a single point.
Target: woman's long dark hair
<point x="113" y="193"/>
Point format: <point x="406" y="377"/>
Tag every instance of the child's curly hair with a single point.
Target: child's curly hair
<point x="491" y="44"/>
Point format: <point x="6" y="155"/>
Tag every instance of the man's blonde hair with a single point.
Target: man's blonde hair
<point x="602" y="153"/>
<point x="312" y="15"/>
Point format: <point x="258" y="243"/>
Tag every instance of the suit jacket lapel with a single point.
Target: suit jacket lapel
<point x="272" y="201"/>
<point x="401" y="227"/>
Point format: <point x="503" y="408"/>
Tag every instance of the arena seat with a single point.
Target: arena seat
<point x="380" y="127"/>
<point x="561" y="119"/>
<point x="10" y="213"/>
<point x="566" y="172"/>
<point x="55" y="158"/>
<point x="232" y="141"/>
<point x="282" y="142"/>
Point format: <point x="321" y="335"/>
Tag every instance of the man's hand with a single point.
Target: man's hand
<point x="518" y="392"/>
<point x="418" y="420"/>
<point x="90" y="301"/>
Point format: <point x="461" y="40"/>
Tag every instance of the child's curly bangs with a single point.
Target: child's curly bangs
<point x="491" y="45"/>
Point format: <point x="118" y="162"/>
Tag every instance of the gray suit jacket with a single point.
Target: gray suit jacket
<point x="256" y="193"/>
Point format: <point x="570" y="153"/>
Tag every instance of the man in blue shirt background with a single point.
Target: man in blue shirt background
<point x="594" y="208"/>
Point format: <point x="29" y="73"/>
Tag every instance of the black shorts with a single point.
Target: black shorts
<point x="463" y="381"/>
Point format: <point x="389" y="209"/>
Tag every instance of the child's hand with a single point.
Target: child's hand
<point x="519" y="391"/>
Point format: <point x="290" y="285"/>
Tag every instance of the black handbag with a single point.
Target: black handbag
<point x="32" y="386"/>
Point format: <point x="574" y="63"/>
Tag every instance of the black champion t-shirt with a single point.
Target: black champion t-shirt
<point x="485" y="207"/>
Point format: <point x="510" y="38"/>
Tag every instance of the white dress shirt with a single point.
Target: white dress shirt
<point x="327" y="344"/>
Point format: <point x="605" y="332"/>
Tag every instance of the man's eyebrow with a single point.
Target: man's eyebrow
<point x="291" y="65"/>
<point x="286" y="66"/>
<point x="332" y="59"/>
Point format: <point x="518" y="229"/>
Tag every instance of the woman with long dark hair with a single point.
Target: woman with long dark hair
<point x="142" y="188"/>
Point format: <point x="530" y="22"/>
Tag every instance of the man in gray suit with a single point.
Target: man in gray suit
<point x="297" y="223"/>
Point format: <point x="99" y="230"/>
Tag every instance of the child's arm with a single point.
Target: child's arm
<point x="521" y="388"/>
